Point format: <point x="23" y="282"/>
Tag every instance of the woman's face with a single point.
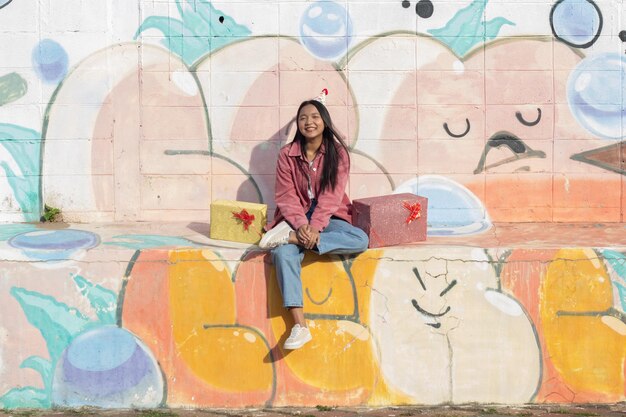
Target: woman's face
<point x="310" y="122"/>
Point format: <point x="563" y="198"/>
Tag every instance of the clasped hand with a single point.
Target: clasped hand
<point x="308" y="236"/>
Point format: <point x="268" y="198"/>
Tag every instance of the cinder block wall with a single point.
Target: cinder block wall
<point x="132" y="111"/>
<point x="204" y="327"/>
<point x="149" y="110"/>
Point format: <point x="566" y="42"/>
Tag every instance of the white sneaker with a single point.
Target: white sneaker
<point x="298" y="337"/>
<point x="277" y="236"/>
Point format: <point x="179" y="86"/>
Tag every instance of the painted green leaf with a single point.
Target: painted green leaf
<point x="617" y="260"/>
<point x="139" y="242"/>
<point x="196" y="16"/>
<point x="621" y="290"/>
<point x="57" y="323"/>
<point x="203" y="28"/>
<point x="41" y="365"/>
<point x="27" y="397"/>
<point x="468" y="28"/>
<point x="24" y="146"/>
<point x="12" y="87"/>
<point x="104" y="301"/>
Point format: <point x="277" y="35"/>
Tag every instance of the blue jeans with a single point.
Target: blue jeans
<point x="339" y="237"/>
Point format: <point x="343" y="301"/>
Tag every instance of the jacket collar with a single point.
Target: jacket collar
<point x="296" y="150"/>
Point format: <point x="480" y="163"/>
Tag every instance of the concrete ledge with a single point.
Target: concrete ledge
<point x="148" y="314"/>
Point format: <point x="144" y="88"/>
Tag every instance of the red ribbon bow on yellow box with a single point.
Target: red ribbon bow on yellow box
<point x="245" y="217"/>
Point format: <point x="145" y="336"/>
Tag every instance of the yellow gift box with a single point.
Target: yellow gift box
<point x="237" y="221"/>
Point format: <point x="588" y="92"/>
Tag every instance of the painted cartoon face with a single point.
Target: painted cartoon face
<point x="497" y="121"/>
<point x="437" y="319"/>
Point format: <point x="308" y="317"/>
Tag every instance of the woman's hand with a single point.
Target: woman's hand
<point x="314" y="237"/>
<point x="303" y="234"/>
<point x="307" y="236"/>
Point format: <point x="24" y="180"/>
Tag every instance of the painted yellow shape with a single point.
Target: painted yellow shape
<point x="201" y="293"/>
<point x="588" y="353"/>
<point x="230" y="358"/>
<point x="363" y="269"/>
<point x="327" y="288"/>
<point x="338" y="358"/>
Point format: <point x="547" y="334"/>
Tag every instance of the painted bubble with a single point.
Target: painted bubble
<point x="4" y="3"/>
<point x="452" y="208"/>
<point x="50" y="61"/>
<point x="595" y="94"/>
<point x="326" y="30"/>
<point x="107" y="367"/>
<point x="54" y="245"/>
<point x="575" y="22"/>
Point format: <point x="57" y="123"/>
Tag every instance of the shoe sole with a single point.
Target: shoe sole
<point x="268" y="237"/>
<point x="299" y="345"/>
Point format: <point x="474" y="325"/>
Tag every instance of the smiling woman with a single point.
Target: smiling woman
<point x="313" y="210"/>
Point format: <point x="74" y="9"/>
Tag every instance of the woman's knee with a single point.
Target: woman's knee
<point x="363" y="239"/>
<point x="284" y="252"/>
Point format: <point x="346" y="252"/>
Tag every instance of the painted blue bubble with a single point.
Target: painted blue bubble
<point x="326" y="30"/>
<point x="596" y="91"/>
<point x="107" y="367"/>
<point x="578" y="23"/>
<point x="4" y="3"/>
<point x="51" y="245"/>
<point x="89" y="353"/>
<point x="50" y="61"/>
<point x="452" y="208"/>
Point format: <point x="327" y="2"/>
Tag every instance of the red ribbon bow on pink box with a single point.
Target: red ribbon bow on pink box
<point x="414" y="209"/>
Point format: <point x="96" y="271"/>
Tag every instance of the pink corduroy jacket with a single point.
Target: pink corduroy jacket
<point x="292" y="198"/>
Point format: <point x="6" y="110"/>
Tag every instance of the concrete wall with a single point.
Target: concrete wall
<point x="85" y="319"/>
<point x="149" y="110"/>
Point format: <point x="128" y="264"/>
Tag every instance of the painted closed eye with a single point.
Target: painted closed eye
<point x="526" y="123"/>
<point x="455" y="135"/>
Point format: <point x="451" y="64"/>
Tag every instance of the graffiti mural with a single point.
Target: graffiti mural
<point x="140" y="112"/>
<point x="447" y="81"/>
<point x="204" y="327"/>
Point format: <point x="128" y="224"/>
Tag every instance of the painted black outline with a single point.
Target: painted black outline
<point x="467" y="129"/>
<point x="319" y="303"/>
<point x="500" y="136"/>
<point x="426" y="313"/>
<point x="582" y="157"/>
<point x="448" y="288"/>
<point x="521" y="119"/>
<point x="6" y="4"/>
<point x="585" y="45"/>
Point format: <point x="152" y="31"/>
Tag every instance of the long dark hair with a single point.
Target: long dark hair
<point x="330" y="139"/>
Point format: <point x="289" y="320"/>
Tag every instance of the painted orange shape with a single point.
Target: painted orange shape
<point x="582" y="338"/>
<point x="208" y="358"/>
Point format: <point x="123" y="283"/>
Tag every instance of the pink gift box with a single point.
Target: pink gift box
<point x="391" y="219"/>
